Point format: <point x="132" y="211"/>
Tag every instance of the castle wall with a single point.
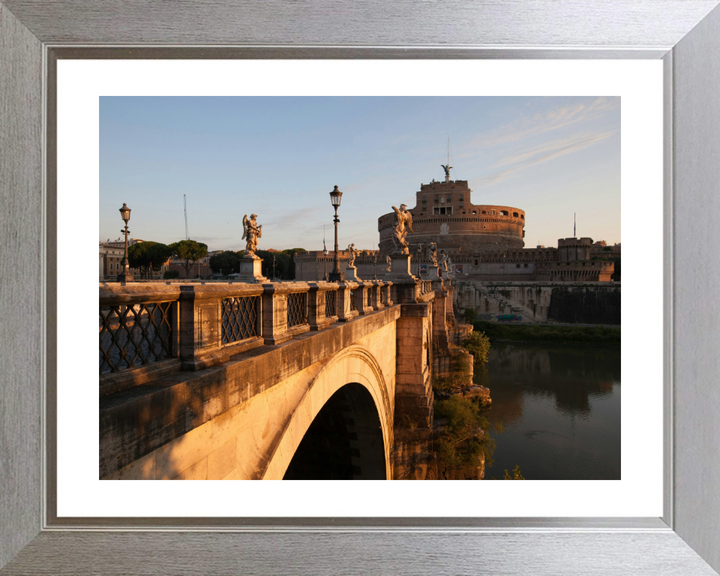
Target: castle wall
<point x="565" y="302"/>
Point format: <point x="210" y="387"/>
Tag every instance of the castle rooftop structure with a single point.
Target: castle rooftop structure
<point x="445" y="214"/>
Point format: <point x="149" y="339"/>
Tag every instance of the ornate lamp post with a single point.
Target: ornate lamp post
<point x="336" y="275"/>
<point x="125" y="215"/>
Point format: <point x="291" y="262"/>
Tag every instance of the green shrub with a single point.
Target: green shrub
<point x="466" y="437"/>
<point x="530" y="333"/>
<point x="516" y="474"/>
<point x="470" y="315"/>
<point x="479" y="346"/>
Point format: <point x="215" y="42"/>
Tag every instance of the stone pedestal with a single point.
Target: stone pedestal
<point x="251" y="271"/>
<point x="351" y="274"/>
<point x="399" y="268"/>
<point x="433" y="273"/>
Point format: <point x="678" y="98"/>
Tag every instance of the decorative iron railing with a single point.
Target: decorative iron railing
<point x="134" y="335"/>
<point x="240" y="318"/>
<point x="297" y="309"/>
<point x="330" y="303"/>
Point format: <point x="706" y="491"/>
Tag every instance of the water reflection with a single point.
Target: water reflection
<point x="560" y="408"/>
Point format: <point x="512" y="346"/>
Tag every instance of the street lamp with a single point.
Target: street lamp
<point x="125" y="215"/>
<point x="336" y="275"/>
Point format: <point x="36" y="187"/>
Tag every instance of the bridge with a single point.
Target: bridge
<point x="291" y="380"/>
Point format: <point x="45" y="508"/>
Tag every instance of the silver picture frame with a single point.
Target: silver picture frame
<point x="684" y="34"/>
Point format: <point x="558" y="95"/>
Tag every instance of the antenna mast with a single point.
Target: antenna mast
<point x="574" y="226"/>
<point x="185" y="207"/>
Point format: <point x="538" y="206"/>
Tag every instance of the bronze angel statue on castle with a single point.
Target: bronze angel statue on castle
<point x="251" y="233"/>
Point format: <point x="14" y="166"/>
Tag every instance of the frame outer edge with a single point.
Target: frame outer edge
<point x="21" y="274"/>
<point x="696" y="134"/>
<point x="668" y="298"/>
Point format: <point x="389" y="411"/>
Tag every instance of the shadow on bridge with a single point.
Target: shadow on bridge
<point x="344" y="441"/>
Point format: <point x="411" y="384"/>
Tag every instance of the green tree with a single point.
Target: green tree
<point x="225" y="263"/>
<point x="147" y="256"/>
<point x="189" y="251"/>
<point x="479" y="346"/>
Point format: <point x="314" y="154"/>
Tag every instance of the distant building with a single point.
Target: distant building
<point x="199" y="269"/>
<point x="111" y="256"/>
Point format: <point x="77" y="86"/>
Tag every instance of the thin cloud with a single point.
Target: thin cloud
<point x="542" y="123"/>
<point x="541" y="154"/>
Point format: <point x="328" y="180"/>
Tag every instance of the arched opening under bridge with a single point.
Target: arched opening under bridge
<point x="344" y="441"/>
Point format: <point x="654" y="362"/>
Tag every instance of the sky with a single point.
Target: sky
<point x="279" y="157"/>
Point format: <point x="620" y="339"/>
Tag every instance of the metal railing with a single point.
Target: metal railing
<point x="134" y="335"/>
<point x="297" y="309"/>
<point x="330" y="304"/>
<point x="240" y="318"/>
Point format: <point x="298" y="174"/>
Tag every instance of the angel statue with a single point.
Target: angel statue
<point x="403" y="223"/>
<point x="432" y="249"/>
<point x="251" y="232"/>
<point x="447" y="171"/>
<point x="388" y="260"/>
<point x="444" y="261"/>
<point x="353" y="253"/>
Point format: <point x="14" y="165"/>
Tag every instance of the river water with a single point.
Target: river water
<point x="559" y="406"/>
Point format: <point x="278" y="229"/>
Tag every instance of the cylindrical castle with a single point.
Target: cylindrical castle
<point x="445" y="215"/>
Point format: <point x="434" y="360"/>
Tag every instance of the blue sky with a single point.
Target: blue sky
<point x="281" y="156"/>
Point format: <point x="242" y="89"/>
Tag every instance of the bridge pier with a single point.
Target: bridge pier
<point x="413" y="387"/>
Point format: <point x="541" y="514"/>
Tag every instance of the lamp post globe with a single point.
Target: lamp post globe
<point x="125" y="276"/>
<point x="336" y="275"/>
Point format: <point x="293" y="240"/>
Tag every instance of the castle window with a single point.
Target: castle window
<point x="525" y="265"/>
<point x="504" y="212"/>
<point x="437" y="198"/>
<point x="493" y="212"/>
<point x="462" y="206"/>
<point x="522" y="216"/>
<point x="476" y="262"/>
<point x="461" y="197"/>
<point x="449" y="198"/>
<point x="515" y="214"/>
<point x="517" y="265"/>
<point x="484" y="227"/>
<point x="474" y="211"/>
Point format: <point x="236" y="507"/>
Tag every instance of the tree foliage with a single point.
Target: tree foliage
<point x="466" y="435"/>
<point x="226" y="263"/>
<point x="147" y="256"/>
<point x="284" y="263"/>
<point x="189" y="251"/>
<point x="479" y="346"/>
<point x="516" y="474"/>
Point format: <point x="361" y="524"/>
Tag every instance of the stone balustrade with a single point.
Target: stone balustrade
<point x="148" y="329"/>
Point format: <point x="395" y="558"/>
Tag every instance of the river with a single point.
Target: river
<point x="559" y="406"/>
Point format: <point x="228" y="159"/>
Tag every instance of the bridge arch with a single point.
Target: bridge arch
<point x="351" y="377"/>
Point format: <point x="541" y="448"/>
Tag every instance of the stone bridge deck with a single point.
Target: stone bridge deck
<point x="220" y="409"/>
